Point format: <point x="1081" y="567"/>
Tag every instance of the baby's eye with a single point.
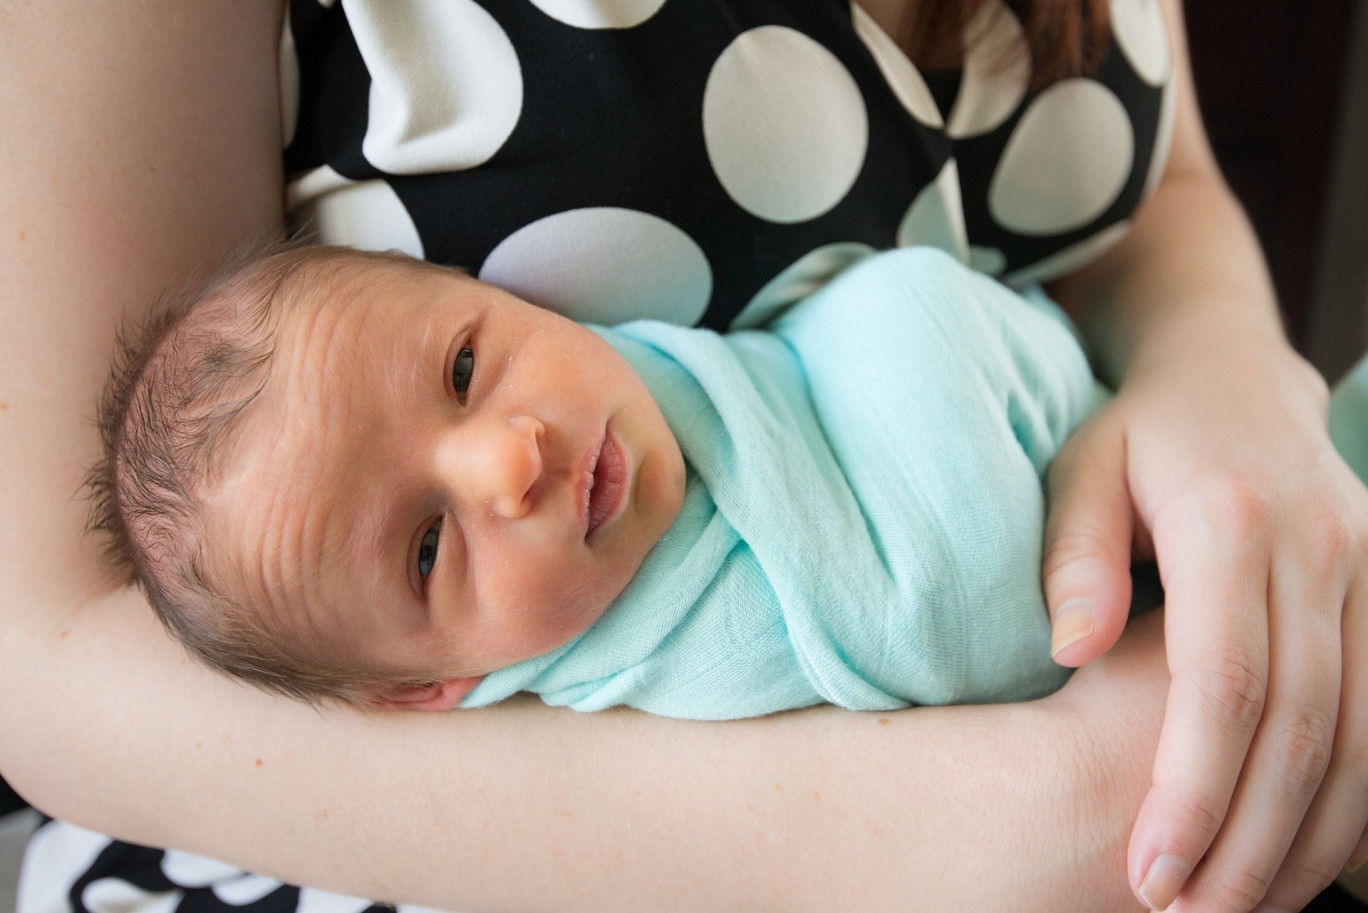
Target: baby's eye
<point x="427" y="550"/>
<point x="462" y="369"/>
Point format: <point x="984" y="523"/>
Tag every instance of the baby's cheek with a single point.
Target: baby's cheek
<point x="542" y="610"/>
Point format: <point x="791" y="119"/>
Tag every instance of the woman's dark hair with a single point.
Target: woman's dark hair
<point x="1064" y="37"/>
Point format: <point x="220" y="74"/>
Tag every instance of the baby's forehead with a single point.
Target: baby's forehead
<point x="265" y="539"/>
<point x="320" y="283"/>
<point x="342" y="353"/>
<point x="384" y="294"/>
<point x="285" y="420"/>
<point x="355" y="340"/>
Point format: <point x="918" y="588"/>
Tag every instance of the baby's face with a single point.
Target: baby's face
<point x="440" y="478"/>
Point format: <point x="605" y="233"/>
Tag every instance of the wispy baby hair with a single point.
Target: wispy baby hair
<point x="180" y="383"/>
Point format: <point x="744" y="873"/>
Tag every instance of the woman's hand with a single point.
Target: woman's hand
<point x="1214" y="460"/>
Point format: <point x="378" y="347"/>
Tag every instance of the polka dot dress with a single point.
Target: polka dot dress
<point x="68" y="869"/>
<point x="704" y="161"/>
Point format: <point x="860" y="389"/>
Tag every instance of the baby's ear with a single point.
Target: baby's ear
<point x="433" y="696"/>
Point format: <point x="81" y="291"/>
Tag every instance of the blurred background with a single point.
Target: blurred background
<point x="1283" y="87"/>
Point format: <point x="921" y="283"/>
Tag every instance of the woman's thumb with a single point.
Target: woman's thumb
<point x="1088" y="535"/>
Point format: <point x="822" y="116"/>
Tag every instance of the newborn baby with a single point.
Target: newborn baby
<point x="359" y="476"/>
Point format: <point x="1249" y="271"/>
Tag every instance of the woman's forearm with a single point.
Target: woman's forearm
<point x="527" y="808"/>
<point x="1189" y="279"/>
<point x="145" y="143"/>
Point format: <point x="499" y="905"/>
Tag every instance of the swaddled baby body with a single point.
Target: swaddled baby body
<point x="382" y="481"/>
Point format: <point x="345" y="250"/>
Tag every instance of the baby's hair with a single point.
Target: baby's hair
<point x="180" y="383"/>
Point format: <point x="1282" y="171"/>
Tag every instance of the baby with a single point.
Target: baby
<point x="359" y="476"/>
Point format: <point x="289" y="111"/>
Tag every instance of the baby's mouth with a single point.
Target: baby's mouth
<point x="607" y="485"/>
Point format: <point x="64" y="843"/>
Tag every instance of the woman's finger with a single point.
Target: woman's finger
<point x="1333" y="834"/>
<point x="1359" y="857"/>
<point x="1086" y="570"/>
<point x="1214" y="555"/>
<point x="1292" y="747"/>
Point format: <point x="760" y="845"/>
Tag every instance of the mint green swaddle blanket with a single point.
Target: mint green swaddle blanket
<point x="864" y="508"/>
<point x="863" y="514"/>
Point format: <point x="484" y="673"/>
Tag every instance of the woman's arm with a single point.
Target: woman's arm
<point x="1214" y="458"/>
<point x="525" y="808"/>
<point x="143" y="142"/>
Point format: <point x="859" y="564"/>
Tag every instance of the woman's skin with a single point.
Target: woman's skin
<point x="150" y="146"/>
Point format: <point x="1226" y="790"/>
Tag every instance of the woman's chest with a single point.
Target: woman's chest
<point x="702" y="162"/>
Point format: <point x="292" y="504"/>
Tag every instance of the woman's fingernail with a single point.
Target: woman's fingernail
<point x="1358" y="857"/>
<point x="1165" y="878"/>
<point x="1073" y="622"/>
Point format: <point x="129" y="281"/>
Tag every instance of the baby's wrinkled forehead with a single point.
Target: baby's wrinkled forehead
<point x="266" y="541"/>
<point x="322" y="283"/>
<point x="283" y="503"/>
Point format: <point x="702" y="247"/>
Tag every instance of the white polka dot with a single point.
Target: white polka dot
<point x="1163" y="139"/>
<point x="239" y="892"/>
<point x="600" y="14"/>
<point x="446" y="86"/>
<point x="1139" y="29"/>
<point x="987" y="260"/>
<point x="604" y="265"/>
<point x="289" y="83"/>
<point x="58" y="854"/>
<point x="191" y="871"/>
<point x="785" y="125"/>
<point x="312" y="900"/>
<point x="1067" y="160"/>
<point x="113" y="895"/>
<point x="997" y="71"/>
<point x="363" y="214"/>
<point x="902" y="77"/>
<point x="936" y="216"/>
<point x="1071" y="258"/>
<point x="799" y="280"/>
<point x="326" y="4"/>
<point x="229" y="883"/>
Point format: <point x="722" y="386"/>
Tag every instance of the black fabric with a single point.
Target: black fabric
<point x="613" y="118"/>
<point x="141" y="867"/>
<point x="1335" y="899"/>
<point x="10" y="801"/>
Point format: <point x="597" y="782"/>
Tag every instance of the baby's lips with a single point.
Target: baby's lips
<point x="609" y="484"/>
<point x="587" y="482"/>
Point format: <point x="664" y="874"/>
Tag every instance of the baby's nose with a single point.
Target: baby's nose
<point x="503" y="466"/>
